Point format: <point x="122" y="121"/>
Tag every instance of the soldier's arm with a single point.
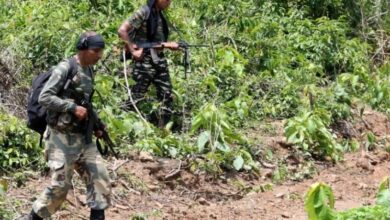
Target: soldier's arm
<point x="123" y="31"/>
<point x="127" y="31"/>
<point x="130" y="25"/>
<point x="49" y="96"/>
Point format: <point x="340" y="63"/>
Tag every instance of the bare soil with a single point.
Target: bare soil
<point x="158" y="188"/>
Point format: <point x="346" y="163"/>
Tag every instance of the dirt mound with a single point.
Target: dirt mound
<point x="369" y="125"/>
<point x="141" y="188"/>
<point x="376" y="122"/>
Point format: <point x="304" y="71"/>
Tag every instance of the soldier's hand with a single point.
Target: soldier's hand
<point x="98" y="133"/>
<point x="171" y="45"/>
<point x="138" y="53"/>
<point x="80" y="113"/>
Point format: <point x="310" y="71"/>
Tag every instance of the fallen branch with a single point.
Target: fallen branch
<point x="71" y="203"/>
<point x="114" y="168"/>
<point x="122" y="207"/>
<point x="124" y="184"/>
<point x="173" y="172"/>
<point x="267" y="165"/>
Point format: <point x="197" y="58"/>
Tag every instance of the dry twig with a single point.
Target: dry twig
<point x="173" y="172"/>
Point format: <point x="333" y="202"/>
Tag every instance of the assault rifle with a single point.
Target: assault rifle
<point x="186" y="57"/>
<point x="161" y="45"/>
<point x="182" y="45"/>
<point x="107" y="141"/>
<point x="93" y="124"/>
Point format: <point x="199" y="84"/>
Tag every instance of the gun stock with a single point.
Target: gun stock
<point x="108" y="144"/>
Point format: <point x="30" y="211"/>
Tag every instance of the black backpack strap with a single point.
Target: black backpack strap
<point x="40" y="140"/>
<point x="73" y="67"/>
<point x="71" y="72"/>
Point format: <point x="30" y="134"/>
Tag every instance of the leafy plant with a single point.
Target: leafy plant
<point x="217" y="137"/>
<point x="308" y="62"/>
<point x="309" y="133"/>
<point x="5" y="213"/>
<point x="319" y="204"/>
<point x="18" y="145"/>
<point x="214" y="120"/>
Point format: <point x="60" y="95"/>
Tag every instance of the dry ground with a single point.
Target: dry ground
<point x="158" y="188"/>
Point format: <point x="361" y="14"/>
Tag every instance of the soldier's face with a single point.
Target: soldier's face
<point x="93" y="55"/>
<point x="162" y="4"/>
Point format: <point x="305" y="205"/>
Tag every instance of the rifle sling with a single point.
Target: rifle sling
<point x="108" y="144"/>
<point x="102" y="149"/>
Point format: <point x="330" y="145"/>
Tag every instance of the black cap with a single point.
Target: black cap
<point x="90" y="42"/>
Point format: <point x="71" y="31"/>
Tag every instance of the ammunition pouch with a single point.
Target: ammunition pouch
<point x="65" y="122"/>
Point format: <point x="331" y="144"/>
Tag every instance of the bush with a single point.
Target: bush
<point x="19" y="146"/>
<point x="279" y="59"/>
<point x="319" y="204"/>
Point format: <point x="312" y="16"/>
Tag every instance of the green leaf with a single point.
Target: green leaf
<point x="383" y="198"/>
<point x="203" y="139"/>
<point x="173" y="152"/>
<point x="385" y="184"/>
<point x="311" y="125"/>
<point x="238" y="163"/>
<point x="355" y="145"/>
<point x="371" y="138"/>
<point x="3" y="187"/>
<point x="222" y="147"/>
<point x="319" y="202"/>
<point x="228" y="58"/>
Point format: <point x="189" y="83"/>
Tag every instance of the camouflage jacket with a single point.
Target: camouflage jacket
<point x="138" y="22"/>
<point x="61" y="105"/>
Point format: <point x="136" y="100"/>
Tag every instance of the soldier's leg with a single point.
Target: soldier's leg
<point x="142" y="75"/>
<point x="61" y="166"/>
<point x="92" y="170"/>
<point x="163" y="84"/>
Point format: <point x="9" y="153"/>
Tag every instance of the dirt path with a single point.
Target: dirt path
<point x="354" y="184"/>
<point x="150" y="187"/>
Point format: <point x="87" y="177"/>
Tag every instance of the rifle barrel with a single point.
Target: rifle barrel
<point x="148" y="45"/>
<point x="198" y="45"/>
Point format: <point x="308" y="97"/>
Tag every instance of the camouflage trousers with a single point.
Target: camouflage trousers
<point x="65" y="153"/>
<point x="145" y="73"/>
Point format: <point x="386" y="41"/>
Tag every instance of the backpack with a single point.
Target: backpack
<point x="36" y="114"/>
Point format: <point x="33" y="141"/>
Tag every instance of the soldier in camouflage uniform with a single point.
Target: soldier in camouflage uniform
<point x="148" y="25"/>
<point x="67" y="148"/>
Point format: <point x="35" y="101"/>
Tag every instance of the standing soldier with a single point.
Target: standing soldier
<point x="148" y="25"/>
<point x="69" y="143"/>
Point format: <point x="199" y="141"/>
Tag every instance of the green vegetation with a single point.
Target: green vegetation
<point x="319" y="204"/>
<point x="5" y="213"/>
<point x="309" y="62"/>
<point x="19" y="147"/>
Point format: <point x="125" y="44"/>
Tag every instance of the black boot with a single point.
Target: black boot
<point x="164" y="119"/>
<point x="32" y="216"/>
<point x="97" y="214"/>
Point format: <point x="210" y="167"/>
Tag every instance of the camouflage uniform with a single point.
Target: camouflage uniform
<point x="66" y="149"/>
<point x="150" y="69"/>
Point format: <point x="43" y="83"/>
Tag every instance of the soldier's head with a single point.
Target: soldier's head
<point x="90" y="48"/>
<point x="161" y="4"/>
